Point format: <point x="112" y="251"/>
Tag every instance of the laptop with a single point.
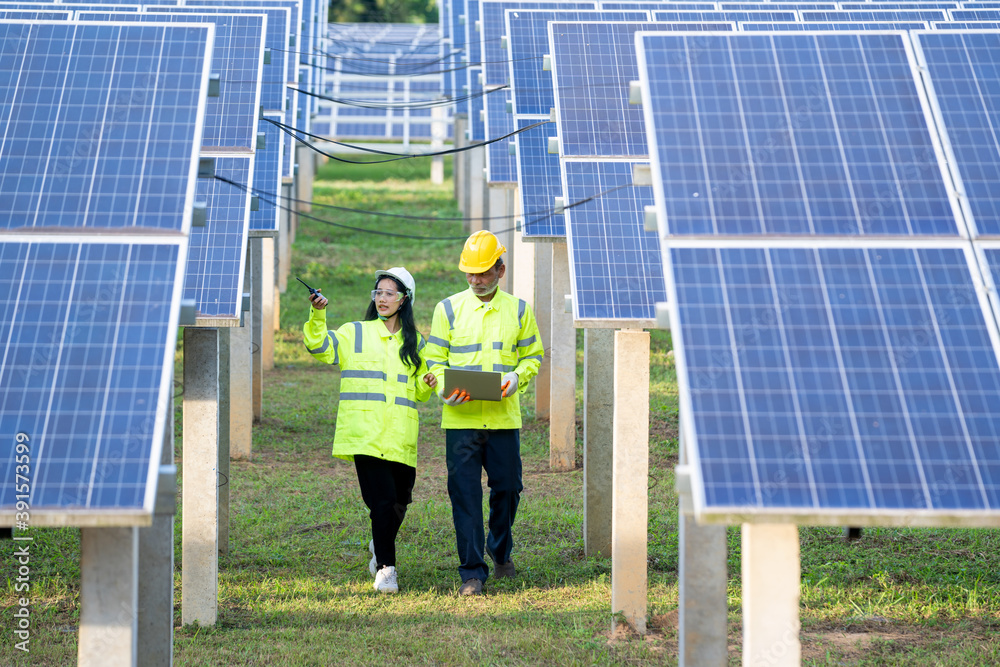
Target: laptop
<point x="480" y="385"/>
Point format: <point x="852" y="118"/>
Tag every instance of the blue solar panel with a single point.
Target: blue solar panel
<point x="528" y="41"/>
<point x="592" y="65"/>
<point x="237" y="57"/>
<point x="500" y="164"/>
<point x="855" y="25"/>
<point x="964" y="80"/>
<point x="705" y="17"/>
<point x="459" y="74"/>
<point x="493" y="22"/>
<point x="290" y="157"/>
<point x="33" y="15"/>
<point x="538" y="181"/>
<point x="965" y="25"/>
<point x="615" y="266"/>
<point x="217" y="250"/>
<point x="657" y="6"/>
<point x="267" y="178"/>
<point x="792" y="134"/>
<point x="992" y="14"/>
<point x="878" y="15"/>
<point x="832" y="379"/>
<point x="92" y="139"/>
<point x="477" y="128"/>
<point x="865" y="6"/>
<point x="275" y="76"/>
<point x="773" y="6"/>
<point x="89" y="330"/>
<point x="48" y="6"/>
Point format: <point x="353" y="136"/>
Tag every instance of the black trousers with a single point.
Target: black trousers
<point x="387" y="488"/>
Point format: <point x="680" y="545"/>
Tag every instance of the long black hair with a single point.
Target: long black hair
<point x="408" y="350"/>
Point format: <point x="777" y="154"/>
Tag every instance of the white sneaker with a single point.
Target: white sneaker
<point x="373" y="563"/>
<point x="385" y="580"/>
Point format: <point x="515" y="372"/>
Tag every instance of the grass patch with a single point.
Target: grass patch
<point x="295" y="589"/>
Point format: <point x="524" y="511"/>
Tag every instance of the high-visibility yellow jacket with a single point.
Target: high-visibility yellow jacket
<point x="377" y="414"/>
<point x="499" y="335"/>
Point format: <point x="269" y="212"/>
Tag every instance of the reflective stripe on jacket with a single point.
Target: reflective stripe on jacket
<point x="500" y="335"/>
<point x="377" y="414"/>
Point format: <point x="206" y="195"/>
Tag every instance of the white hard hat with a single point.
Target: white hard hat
<point x="403" y="276"/>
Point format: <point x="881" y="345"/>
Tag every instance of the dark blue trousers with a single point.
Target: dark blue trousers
<point x="469" y="452"/>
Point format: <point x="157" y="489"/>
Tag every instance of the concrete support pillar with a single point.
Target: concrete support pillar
<point x="109" y="596"/>
<point x="306" y="159"/>
<point x="293" y="220"/>
<point x="703" y="616"/>
<point x="477" y="183"/>
<point x="771" y="573"/>
<point x="241" y="384"/>
<point x="256" y="260"/>
<point x="225" y="421"/>
<point x="267" y="303"/>
<point x="155" y="626"/>
<point x="703" y="623"/>
<point x="283" y="250"/>
<point x="543" y="316"/>
<point x="438" y="132"/>
<point x="459" y="165"/>
<point x="630" y="499"/>
<point x="524" y="279"/>
<point x="598" y="450"/>
<point x="200" y="548"/>
<point x="498" y="224"/>
<point x="562" y="382"/>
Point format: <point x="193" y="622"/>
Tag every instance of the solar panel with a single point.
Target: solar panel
<point x="459" y="74"/>
<point x="33" y="15"/>
<point x="290" y="148"/>
<point x="592" y="65"/>
<point x="615" y="266"/>
<point x="831" y="155"/>
<point x="528" y="41"/>
<point x="48" y="6"/>
<point x="500" y="164"/>
<point x="855" y="25"/>
<point x="773" y="6"/>
<point x="538" y="181"/>
<point x="89" y="327"/>
<point x="277" y="73"/>
<point x="878" y="15"/>
<point x="477" y="126"/>
<point x="965" y="84"/>
<point x="91" y="139"/>
<point x="654" y="6"/>
<point x="836" y="378"/>
<point x="865" y="6"/>
<point x="493" y="26"/>
<point x="992" y="14"/>
<point x="706" y="17"/>
<point x="217" y="251"/>
<point x="267" y="179"/>
<point x="238" y="54"/>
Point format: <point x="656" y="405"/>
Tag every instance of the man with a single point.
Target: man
<point x="483" y="328"/>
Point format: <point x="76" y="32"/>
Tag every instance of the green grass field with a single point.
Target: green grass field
<point x="295" y="589"/>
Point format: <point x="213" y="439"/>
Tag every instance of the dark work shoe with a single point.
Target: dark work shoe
<point x="505" y="571"/>
<point x="471" y="587"/>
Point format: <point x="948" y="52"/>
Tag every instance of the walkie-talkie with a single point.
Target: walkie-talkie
<point x="311" y="290"/>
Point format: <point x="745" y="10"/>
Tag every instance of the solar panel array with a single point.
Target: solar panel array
<point x="91" y="142"/>
<point x="840" y="360"/>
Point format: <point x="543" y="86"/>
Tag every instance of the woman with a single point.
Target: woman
<point x="382" y="376"/>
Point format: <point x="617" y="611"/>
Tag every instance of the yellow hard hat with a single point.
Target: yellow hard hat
<point x="481" y="252"/>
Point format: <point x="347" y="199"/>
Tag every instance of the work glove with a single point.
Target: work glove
<point x="509" y="384"/>
<point x="457" y="397"/>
